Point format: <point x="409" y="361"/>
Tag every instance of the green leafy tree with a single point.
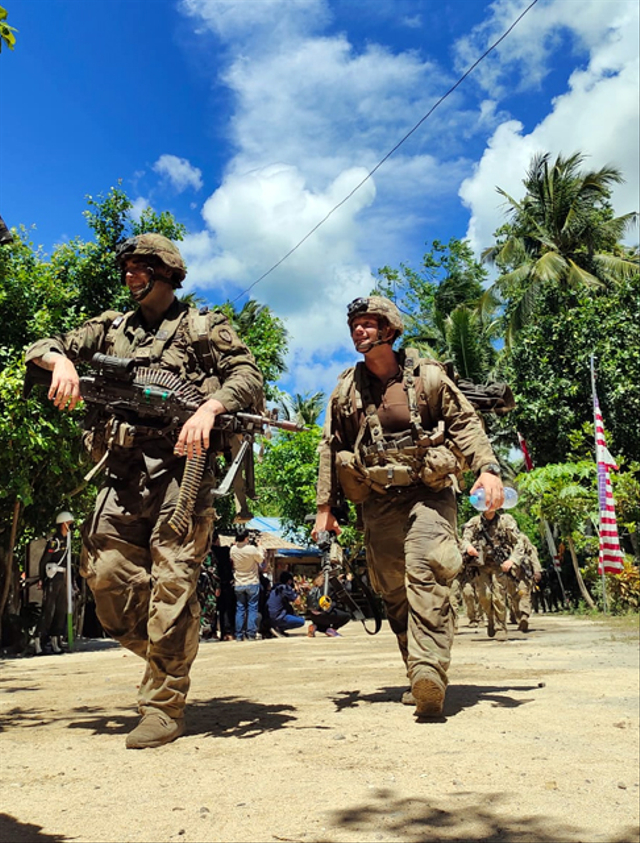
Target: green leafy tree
<point x="564" y="495"/>
<point x="548" y="367"/>
<point x="286" y="477"/>
<point x="267" y="338"/>
<point x="447" y="314"/>
<point x="6" y="32"/>
<point x="562" y="235"/>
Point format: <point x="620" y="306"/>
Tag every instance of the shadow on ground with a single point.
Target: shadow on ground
<point x="13" y="831"/>
<point x="387" y="817"/>
<point x="223" y="717"/>
<point x="458" y="697"/>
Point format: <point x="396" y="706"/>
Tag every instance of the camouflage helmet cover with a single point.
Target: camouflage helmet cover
<point x="376" y="306"/>
<point x="157" y="246"/>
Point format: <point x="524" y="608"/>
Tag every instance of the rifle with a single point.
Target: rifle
<point x="333" y="585"/>
<point x="157" y="403"/>
<point x="498" y="553"/>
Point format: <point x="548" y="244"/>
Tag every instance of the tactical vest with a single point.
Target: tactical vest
<point x="105" y="432"/>
<point x="199" y="323"/>
<point x="380" y="461"/>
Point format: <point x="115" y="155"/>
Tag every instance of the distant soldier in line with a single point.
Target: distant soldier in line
<point x="520" y="581"/>
<point x="464" y="591"/>
<point x="493" y="539"/>
<point x="53" y="581"/>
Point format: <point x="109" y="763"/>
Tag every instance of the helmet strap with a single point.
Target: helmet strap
<point x="144" y="292"/>
<point x="367" y="346"/>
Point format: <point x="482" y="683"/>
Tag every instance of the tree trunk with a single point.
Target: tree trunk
<point x="583" y="588"/>
<point x="8" y="562"/>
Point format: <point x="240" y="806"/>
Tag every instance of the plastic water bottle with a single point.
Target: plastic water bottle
<point x="477" y="499"/>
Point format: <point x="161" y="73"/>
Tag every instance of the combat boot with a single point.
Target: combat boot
<point x="408" y="698"/>
<point x="155" y="729"/>
<point x="502" y="635"/>
<point x="523" y="626"/>
<point x="429" y="696"/>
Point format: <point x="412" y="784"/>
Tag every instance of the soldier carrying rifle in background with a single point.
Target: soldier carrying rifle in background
<point x="491" y="541"/>
<point x="153" y="519"/>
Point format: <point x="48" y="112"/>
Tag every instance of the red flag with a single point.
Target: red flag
<point x="523" y="447"/>
<point x="611" y="558"/>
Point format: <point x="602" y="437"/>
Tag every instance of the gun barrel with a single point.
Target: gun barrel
<point x="256" y="419"/>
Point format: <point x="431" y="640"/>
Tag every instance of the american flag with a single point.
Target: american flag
<point x="610" y="558"/>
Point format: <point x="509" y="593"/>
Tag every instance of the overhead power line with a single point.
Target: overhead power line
<point x="391" y="151"/>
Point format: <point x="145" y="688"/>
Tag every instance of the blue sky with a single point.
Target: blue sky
<point x="250" y="119"/>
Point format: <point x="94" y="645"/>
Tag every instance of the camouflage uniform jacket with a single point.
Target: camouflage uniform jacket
<point x="527" y="557"/>
<point x="438" y="399"/>
<point x="503" y="534"/>
<point x="221" y="367"/>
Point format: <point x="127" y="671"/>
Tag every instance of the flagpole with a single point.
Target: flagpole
<point x="595" y="435"/>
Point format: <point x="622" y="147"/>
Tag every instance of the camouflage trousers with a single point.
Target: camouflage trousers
<point x="144" y="577"/>
<point x="490" y="586"/>
<point x="412" y="557"/>
<point x="463" y="591"/>
<point x="519" y="596"/>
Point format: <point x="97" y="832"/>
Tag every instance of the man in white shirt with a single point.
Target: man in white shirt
<point x="246" y="558"/>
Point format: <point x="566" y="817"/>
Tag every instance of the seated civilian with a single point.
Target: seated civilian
<point x="280" y="605"/>
<point x="323" y="620"/>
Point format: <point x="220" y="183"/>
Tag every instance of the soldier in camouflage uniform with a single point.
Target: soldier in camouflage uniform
<point x="397" y="432"/>
<point x="464" y="591"/>
<point x="494" y="540"/>
<point x="143" y="574"/>
<point x="520" y="581"/>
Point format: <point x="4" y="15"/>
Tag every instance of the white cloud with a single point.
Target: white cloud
<point x="180" y="173"/>
<point x="138" y="206"/>
<point x="233" y="20"/>
<point x="598" y="116"/>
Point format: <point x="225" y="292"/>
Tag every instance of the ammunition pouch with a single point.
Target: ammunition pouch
<point x="439" y="467"/>
<point x="402" y="461"/>
<point x="354" y="478"/>
<point x="408" y="467"/>
<point x="105" y="434"/>
<point x="95" y="443"/>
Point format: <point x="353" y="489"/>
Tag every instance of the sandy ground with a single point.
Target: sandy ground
<point x="305" y="740"/>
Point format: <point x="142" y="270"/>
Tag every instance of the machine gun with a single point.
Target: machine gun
<point x="335" y="591"/>
<point x="155" y="402"/>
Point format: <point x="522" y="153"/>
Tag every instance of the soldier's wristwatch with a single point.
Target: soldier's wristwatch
<point x="492" y="468"/>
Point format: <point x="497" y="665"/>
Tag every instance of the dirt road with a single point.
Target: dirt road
<point x="305" y="740"/>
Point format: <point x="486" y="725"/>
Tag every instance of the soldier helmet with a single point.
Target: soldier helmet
<point x="64" y="517"/>
<point x="378" y="306"/>
<point x="155" y="248"/>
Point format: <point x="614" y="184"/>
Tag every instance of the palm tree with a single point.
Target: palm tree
<point x="563" y="232"/>
<point x="265" y="335"/>
<point x="303" y="409"/>
<point x="467" y="343"/>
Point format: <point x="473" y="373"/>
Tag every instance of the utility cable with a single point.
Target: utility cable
<point x="391" y="151"/>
